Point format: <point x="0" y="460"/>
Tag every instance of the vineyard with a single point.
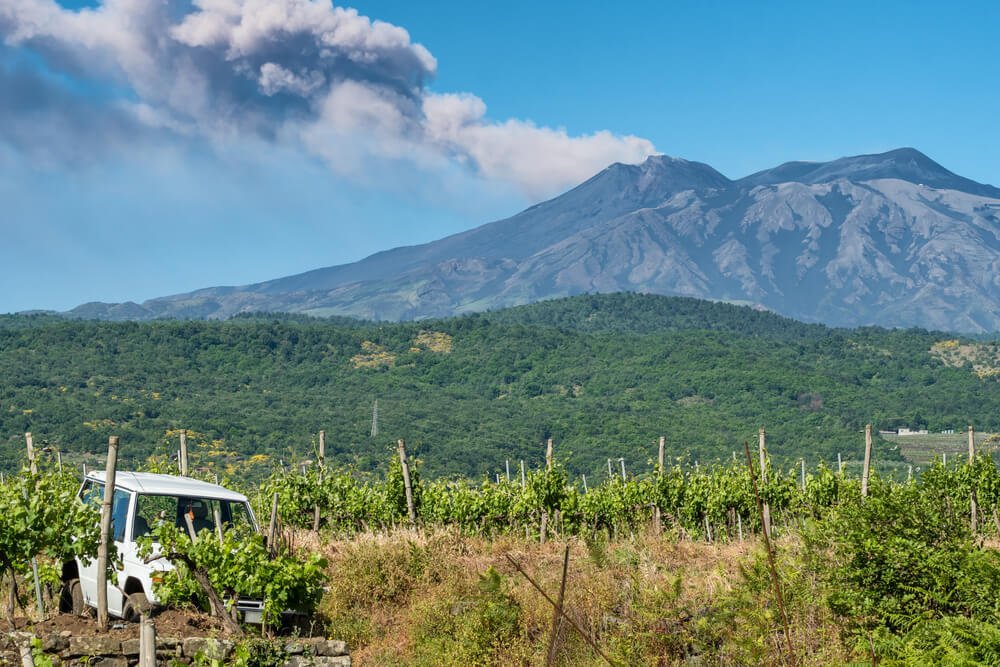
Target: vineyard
<point x="902" y="571"/>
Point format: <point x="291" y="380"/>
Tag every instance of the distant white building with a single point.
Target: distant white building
<point x="908" y="431"/>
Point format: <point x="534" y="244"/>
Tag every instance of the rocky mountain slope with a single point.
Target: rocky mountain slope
<point x="892" y="239"/>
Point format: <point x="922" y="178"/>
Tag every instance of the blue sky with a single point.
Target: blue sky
<point x="145" y="153"/>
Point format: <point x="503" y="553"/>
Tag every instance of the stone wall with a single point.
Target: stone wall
<point x="102" y="651"/>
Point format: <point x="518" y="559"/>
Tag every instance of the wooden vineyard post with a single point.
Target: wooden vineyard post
<point x="406" y="482"/>
<point x="972" y="495"/>
<point x="586" y="636"/>
<point x="217" y="517"/>
<point x="522" y="473"/>
<point x="558" y="612"/>
<point x="102" y="549"/>
<point x="272" y="526"/>
<point x="27" y="657"/>
<point x="866" y="470"/>
<point x="321" y="458"/>
<point x="803" y="475"/>
<point x="657" y="513"/>
<point x="182" y="458"/>
<point x="30" y="443"/>
<point x="543" y="529"/>
<point x="147" y="642"/>
<point x="770" y="559"/>
<point x="762" y="454"/>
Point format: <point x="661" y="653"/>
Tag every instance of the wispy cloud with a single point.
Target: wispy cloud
<point x="321" y="79"/>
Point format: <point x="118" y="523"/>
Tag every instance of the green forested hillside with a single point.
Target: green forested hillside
<point x="604" y="376"/>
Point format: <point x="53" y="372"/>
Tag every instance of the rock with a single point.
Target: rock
<point x="295" y="648"/>
<point x="109" y="662"/>
<point x="54" y="643"/>
<point x="21" y="638"/>
<point x="331" y="647"/>
<point x="318" y="661"/>
<point x="208" y="648"/>
<point x="168" y="647"/>
<point x="96" y="645"/>
<point x="130" y="647"/>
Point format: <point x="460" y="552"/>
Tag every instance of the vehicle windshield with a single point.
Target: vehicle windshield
<point x="205" y="513"/>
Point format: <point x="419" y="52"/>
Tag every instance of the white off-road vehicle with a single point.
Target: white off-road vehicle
<point x="140" y="500"/>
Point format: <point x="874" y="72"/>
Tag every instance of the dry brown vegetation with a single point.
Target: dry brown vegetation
<point x="425" y="598"/>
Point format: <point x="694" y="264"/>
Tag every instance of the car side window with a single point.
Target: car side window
<point x="92" y="493"/>
<point x="119" y="514"/>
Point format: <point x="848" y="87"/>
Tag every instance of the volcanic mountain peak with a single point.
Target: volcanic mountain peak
<point x="893" y="239"/>
<point x="906" y="164"/>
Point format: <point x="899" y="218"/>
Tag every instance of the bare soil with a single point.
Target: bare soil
<point x="180" y="623"/>
<point x="174" y="623"/>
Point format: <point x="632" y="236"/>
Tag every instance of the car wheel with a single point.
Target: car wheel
<point x="71" y="598"/>
<point x="136" y="604"/>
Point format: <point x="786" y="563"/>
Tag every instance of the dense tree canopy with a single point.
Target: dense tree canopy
<point x="604" y="376"/>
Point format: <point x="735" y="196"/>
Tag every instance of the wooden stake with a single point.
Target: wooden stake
<point x="410" y="510"/>
<point x="866" y="470"/>
<point x="522" y="473"/>
<point x="557" y="611"/>
<point x="102" y="549"/>
<point x="147" y="642"/>
<point x="272" y="527"/>
<point x="39" y="604"/>
<point x="622" y="461"/>
<point x="657" y="513"/>
<point x="217" y="516"/>
<point x="189" y="522"/>
<point x="770" y="560"/>
<point x="548" y="454"/>
<point x="974" y="523"/>
<point x="27" y="657"/>
<point x="762" y="454"/>
<point x="32" y="464"/>
<point x="840" y="465"/>
<point x="585" y="635"/>
<point x="507" y="465"/>
<point x="803" y="475"/>
<point x="585" y="490"/>
<point x="182" y="460"/>
<point x="322" y="464"/>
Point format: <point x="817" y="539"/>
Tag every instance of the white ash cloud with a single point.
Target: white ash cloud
<point x="333" y="83"/>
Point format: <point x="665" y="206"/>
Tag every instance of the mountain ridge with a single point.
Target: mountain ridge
<point x="890" y="239"/>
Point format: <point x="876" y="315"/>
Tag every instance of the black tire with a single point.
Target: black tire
<point x="135" y="605"/>
<point x="71" y="598"/>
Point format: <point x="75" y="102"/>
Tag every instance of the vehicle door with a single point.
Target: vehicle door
<point x="93" y="492"/>
<point x="149" y="511"/>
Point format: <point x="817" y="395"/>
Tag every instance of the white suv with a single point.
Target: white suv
<point x="140" y="500"/>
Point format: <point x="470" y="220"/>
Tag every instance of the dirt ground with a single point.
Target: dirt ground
<point x="169" y="623"/>
<point x="173" y="623"/>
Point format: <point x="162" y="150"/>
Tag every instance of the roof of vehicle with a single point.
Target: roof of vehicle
<point x="168" y="485"/>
